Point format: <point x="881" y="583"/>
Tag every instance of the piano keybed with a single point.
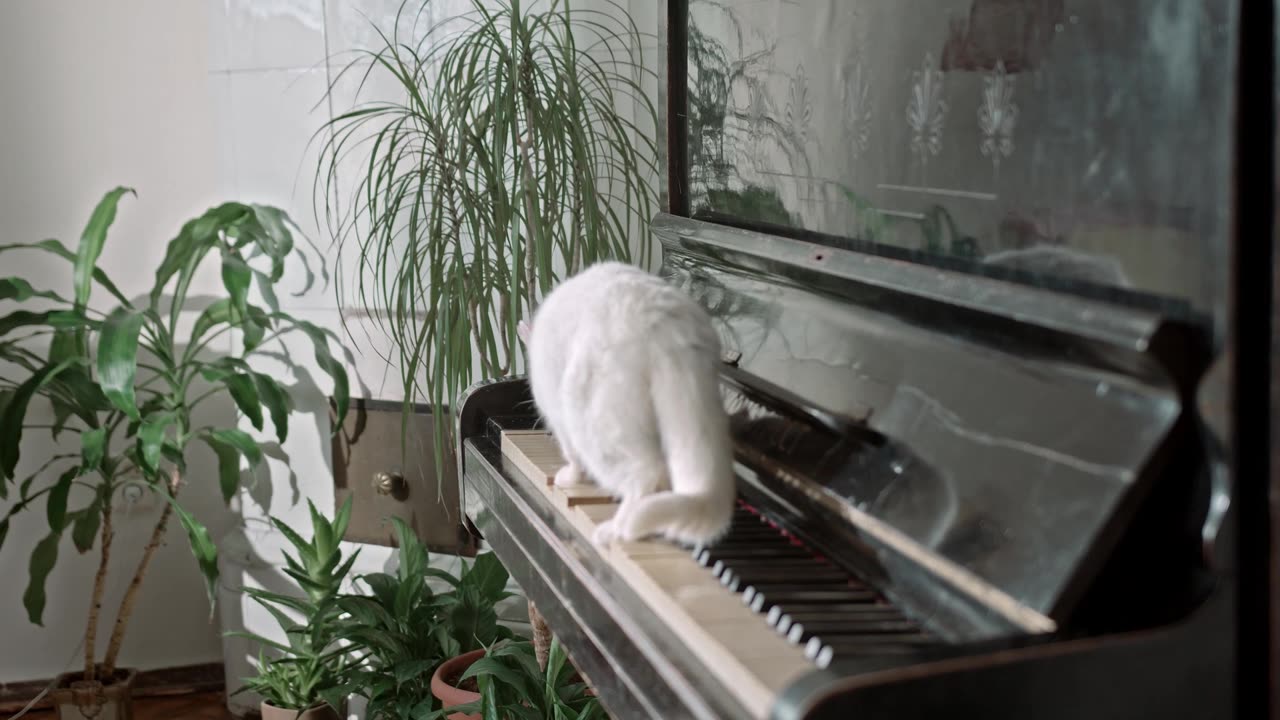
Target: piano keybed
<point x="760" y="605"/>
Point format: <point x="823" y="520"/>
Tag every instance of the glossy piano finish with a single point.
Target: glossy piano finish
<point x="1017" y="427"/>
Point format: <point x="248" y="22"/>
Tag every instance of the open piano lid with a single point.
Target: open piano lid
<point x="1020" y="426"/>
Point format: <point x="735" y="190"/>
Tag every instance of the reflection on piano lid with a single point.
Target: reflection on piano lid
<point x="952" y="491"/>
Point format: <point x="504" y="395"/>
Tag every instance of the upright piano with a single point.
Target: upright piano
<point x="981" y="444"/>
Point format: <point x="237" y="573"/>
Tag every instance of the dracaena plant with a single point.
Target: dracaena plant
<point x="127" y="383"/>
<point x="521" y="150"/>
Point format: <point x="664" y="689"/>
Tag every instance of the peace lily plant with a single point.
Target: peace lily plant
<point x="127" y="384"/>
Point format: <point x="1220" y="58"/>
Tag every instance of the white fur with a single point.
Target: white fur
<point x="625" y="371"/>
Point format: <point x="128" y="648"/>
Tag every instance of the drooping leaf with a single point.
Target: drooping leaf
<point x="331" y="367"/>
<point x="236" y="277"/>
<point x="85" y="529"/>
<point x="56" y="248"/>
<point x="196" y="238"/>
<point x="229" y="446"/>
<point x="52" y="318"/>
<point x="202" y="547"/>
<point x="43" y="558"/>
<point x="15" y="288"/>
<point x="4" y="531"/>
<point x="118" y="358"/>
<point x="15" y="413"/>
<point x="151" y="437"/>
<point x="277" y="402"/>
<point x="56" y="507"/>
<point x="93" y="444"/>
<point x="244" y="391"/>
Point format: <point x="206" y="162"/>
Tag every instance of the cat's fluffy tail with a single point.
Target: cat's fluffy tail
<point x="699" y="453"/>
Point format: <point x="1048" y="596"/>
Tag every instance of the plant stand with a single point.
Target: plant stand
<point x="75" y="699"/>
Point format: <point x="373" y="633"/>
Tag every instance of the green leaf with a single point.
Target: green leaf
<point x="488" y="576"/>
<point x="236" y="277"/>
<point x="91" y="242"/>
<point x="15" y="412"/>
<point x="196" y="238"/>
<point x="53" y="318"/>
<point x="118" y="358"/>
<point x="93" y="444"/>
<point x="4" y="531"/>
<point x="85" y="529"/>
<point x="229" y="445"/>
<point x="56" y="507"/>
<point x="241" y="441"/>
<point x="331" y="367"/>
<point x="57" y="248"/>
<point x="43" y="559"/>
<point x="202" y="547"/>
<point x="411" y="669"/>
<point x="151" y="437"/>
<point x="245" y="394"/>
<point x="15" y="288"/>
<point x="277" y="401"/>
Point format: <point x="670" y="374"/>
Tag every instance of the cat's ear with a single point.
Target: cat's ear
<point x="523" y="328"/>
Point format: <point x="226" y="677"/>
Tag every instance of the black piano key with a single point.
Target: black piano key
<point x="782" y="619"/>
<point x="763" y="551"/>
<point x="811" y="573"/>
<point x="818" y="593"/>
<point x="865" y="613"/>
<point x="797" y="631"/>
<point x="828" y="652"/>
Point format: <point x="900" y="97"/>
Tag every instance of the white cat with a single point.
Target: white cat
<point x="625" y="370"/>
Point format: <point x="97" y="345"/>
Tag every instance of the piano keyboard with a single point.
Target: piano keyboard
<point x="759" y="606"/>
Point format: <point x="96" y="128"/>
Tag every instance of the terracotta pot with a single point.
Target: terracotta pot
<point x="76" y="699"/>
<point x="315" y="712"/>
<point x="450" y="696"/>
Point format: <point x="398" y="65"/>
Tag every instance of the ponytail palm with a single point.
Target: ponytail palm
<point x="128" y="383"/>
<point x="519" y="152"/>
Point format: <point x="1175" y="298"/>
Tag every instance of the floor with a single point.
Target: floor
<point x="204" y="706"/>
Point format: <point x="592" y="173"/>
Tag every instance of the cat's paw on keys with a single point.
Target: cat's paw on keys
<point x="569" y="475"/>
<point x="605" y="533"/>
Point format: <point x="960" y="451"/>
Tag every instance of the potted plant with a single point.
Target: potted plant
<point x="125" y="383"/>
<point x="305" y="680"/>
<point x="402" y="630"/>
<point x="509" y="683"/>
<point x="513" y="160"/>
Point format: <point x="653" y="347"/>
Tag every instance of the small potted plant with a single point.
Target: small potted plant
<point x="306" y="681"/>
<point x="510" y="683"/>
<point x="402" y="630"/>
<point x="126" y="383"/>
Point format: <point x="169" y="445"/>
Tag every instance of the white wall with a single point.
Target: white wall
<point x="93" y="95"/>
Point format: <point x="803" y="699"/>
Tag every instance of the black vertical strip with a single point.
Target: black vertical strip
<point x="678" y="107"/>
<point x="1250" y="336"/>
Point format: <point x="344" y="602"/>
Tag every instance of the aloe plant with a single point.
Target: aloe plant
<point x="310" y="666"/>
<point x="511" y="162"/>
<point x="128" y="381"/>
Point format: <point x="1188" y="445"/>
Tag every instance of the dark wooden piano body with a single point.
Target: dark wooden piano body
<point x="1037" y="472"/>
